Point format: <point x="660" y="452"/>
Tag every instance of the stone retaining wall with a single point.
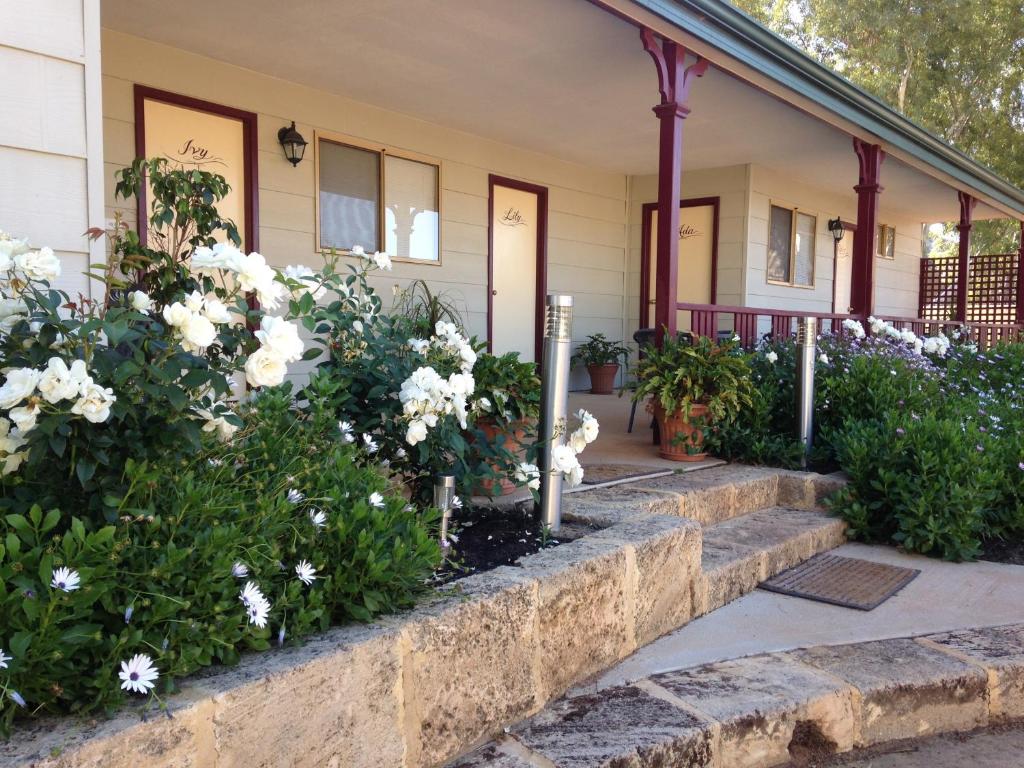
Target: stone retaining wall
<point x="420" y="688"/>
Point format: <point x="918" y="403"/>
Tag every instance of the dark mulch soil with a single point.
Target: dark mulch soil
<point x="1000" y="551"/>
<point x="488" y="537"/>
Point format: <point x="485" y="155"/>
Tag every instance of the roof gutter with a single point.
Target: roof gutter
<point x="733" y="32"/>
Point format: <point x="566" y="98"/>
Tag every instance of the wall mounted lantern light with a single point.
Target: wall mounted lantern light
<point x="835" y="226"/>
<point x="293" y="144"/>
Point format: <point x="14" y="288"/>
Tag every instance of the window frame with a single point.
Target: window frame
<point x="793" y="210"/>
<point x="382" y="150"/>
<point x="880" y="239"/>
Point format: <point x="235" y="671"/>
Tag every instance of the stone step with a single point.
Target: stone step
<point x="771" y="709"/>
<point x="708" y="496"/>
<point x="740" y="553"/>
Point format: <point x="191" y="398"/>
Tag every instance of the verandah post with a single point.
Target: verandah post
<point x="1020" y="277"/>
<point x="963" y="267"/>
<point x="674" y="81"/>
<point x="862" y="288"/>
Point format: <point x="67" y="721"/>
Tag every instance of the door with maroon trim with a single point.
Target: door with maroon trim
<point x="517" y="265"/>
<point x="698" y="257"/>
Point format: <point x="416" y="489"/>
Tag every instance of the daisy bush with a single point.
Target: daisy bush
<point x="257" y="542"/>
<point x="928" y="429"/>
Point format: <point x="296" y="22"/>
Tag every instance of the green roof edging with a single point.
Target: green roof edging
<point x="733" y="32"/>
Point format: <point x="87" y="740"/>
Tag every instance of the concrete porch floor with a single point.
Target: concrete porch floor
<point x="945" y="596"/>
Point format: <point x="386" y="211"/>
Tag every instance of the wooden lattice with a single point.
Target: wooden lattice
<point x="991" y="288"/>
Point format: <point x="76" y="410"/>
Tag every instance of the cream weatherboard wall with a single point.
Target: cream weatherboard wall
<point x="587" y="207"/>
<point x="51" y="147"/>
<point x="896" y="281"/>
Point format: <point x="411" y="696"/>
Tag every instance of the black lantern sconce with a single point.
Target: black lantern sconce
<point x="293" y="144"/>
<point x="835" y="226"/>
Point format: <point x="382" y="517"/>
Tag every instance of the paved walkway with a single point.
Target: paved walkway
<point x="945" y="596"/>
<point x="987" y="749"/>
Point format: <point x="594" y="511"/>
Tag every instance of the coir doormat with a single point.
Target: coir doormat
<point x="844" y="581"/>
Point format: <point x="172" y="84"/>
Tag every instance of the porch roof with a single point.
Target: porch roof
<point x="570" y="80"/>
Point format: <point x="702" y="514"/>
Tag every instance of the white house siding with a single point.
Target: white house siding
<point x="896" y="281"/>
<point x="729" y="184"/>
<point x="587" y="207"/>
<point x="50" y="131"/>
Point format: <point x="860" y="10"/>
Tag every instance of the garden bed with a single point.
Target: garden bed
<point x="1009" y="551"/>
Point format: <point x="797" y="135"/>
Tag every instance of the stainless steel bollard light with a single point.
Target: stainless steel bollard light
<point x="444" y="497"/>
<point x="806" y="348"/>
<point x="554" y="404"/>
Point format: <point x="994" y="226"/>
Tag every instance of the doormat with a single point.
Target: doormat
<point x="610" y="474"/>
<point x="844" y="581"/>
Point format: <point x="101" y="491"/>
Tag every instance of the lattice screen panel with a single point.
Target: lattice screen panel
<point x="991" y="290"/>
<point x="937" y="295"/>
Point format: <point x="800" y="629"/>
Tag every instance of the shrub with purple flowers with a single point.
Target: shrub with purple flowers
<point x="931" y="433"/>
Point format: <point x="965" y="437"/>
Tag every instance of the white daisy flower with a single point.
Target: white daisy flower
<point x="256" y="605"/>
<point x="370" y="444"/>
<point x="376" y="500"/>
<point x="318" y="518"/>
<point x="346" y="431"/>
<point x="306" y="572"/>
<point x="400" y="453"/>
<point x="295" y="496"/>
<point x="4" y="658"/>
<point x="456" y="502"/>
<point x="17" y="698"/>
<point x="239" y="570"/>
<point x="65" y="580"/>
<point x="138" y="674"/>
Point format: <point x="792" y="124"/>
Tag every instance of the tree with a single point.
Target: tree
<point x="956" y="67"/>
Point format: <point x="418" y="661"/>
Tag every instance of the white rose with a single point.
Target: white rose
<point x="176" y="314"/>
<point x="9" y="248"/>
<point x="468" y="357"/>
<point x="308" y="282"/>
<point x="772" y="357"/>
<point x="419" y="346"/>
<point x="58" y="382"/>
<point x="574" y="476"/>
<point x="461" y="383"/>
<point x="12" y="311"/>
<point x="823" y="358"/>
<point x="382" y="260"/>
<point x="39" y="265"/>
<point x="563" y="458"/>
<point x="198" y="333"/>
<point x="577" y="441"/>
<point x="24" y="416"/>
<point x="206" y="261"/>
<point x="140" y="302"/>
<point x="282" y="337"/>
<point x="215" y="311"/>
<point x="94" y="404"/>
<point x="254" y="274"/>
<point x="265" y="368"/>
<point x="589" y="428"/>
<point x="217" y="423"/>
<point x="20" y="383"/>
<point x="194" y="301"/>
<point x="416" y="432"/>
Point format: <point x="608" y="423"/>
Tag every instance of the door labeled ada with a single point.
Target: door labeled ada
<point x="516" y="267"/>
<point x="698" y="257"/>
<point x="843" y="272"/>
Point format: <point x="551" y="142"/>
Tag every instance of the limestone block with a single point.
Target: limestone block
<point x="906" y="690"/>
<point x="764" y="703"/>
<point x="1001" y="651"/>
<point x="616" y="503"/>
<point x="585" y="619"/>
<point x="668" y="576"/>
<point x="317" y="705"/>
<point x="618" y="728"/>
<point x="469" y="664"/>
<point x="731" y="570"/>
<point x="796" y="490"/>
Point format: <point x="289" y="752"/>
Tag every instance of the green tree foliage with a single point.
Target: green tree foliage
<point x="955" y="67"/>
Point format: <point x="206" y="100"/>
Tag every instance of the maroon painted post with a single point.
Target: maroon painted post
<point x="862" y="288"/>
<point x="1020" y="277"/>
<point x="674" y="82"/>
<point x="963" y="267"/>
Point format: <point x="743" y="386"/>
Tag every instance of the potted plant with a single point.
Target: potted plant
<point x="511" y="391"/>
<point x="601" y="357"/>
<point x="691" y="387"/>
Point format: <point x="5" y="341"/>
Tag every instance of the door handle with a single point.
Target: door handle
<point x="494" y="293"/>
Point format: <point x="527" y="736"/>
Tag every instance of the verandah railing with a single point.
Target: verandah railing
<point x="752" y="324"/>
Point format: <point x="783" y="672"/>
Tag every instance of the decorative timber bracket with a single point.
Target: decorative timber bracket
<point x="674" y="78"/>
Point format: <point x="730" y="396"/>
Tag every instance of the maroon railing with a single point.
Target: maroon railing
<point x="753" y="323"/>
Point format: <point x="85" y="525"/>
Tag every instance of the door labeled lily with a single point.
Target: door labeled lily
<point x="516" y="267"/>
<point x="698" y="256"/>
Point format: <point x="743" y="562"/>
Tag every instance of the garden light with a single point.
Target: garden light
<point x="554" y="406"/>
<point x="835" y="226"/>
<point x="444" y="500"/>
<point x="293" y="143"/>
<point x="806" y="342"/>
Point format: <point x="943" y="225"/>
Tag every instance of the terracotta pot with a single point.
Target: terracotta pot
<point x="512" y="438"/>
<point x="602" y="378"/>
<point x="682" y="439"/>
